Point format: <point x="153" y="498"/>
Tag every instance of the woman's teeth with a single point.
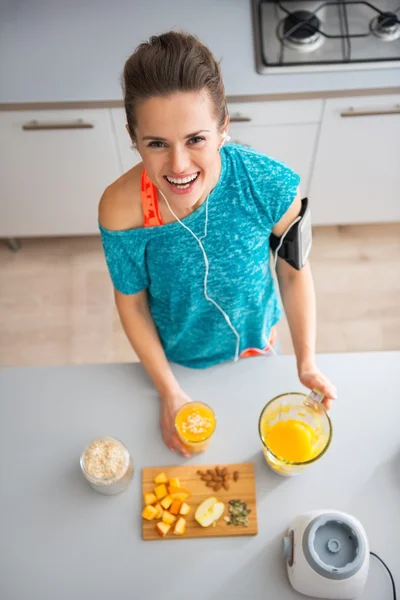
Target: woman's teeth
<point x="184" y="183"/>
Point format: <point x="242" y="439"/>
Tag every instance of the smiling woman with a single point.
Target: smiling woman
<point x="186" y="233"/>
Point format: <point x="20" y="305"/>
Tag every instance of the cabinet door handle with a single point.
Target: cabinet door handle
<point x="41" y="126"/>
<point x="238" y="118"/>
<point x="370" y="113"/>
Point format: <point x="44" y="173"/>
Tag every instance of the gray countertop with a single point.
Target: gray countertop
<point x="62" y="540"/>
<point x="74" y="51"/>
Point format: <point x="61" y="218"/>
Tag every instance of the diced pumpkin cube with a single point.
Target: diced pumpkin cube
<point x="182" y="496"/>
<point x="173" y="489"/>
<point x="149" y="512"/>
<point x="168" y="518"/>
<point x="178" y="493"/>
<point x="150" y="498"/>
<point x="161" y="478"/>
<point x="175" y="507"/>
<point x="159" y="510"/>
<point x="180" y="526"/>
<point x="184" y="509"/>
<point x="174" y="482"/>
<point x="166" y="502"/>
<point x="162" y="528"/>
<point x="161" y="491"/>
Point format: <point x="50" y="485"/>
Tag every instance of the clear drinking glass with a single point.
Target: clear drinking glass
<point x="107" y="465"/>
<point x="304" y="428"/>
<point x="195" y="424"/>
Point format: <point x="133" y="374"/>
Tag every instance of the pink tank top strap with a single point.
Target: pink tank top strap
<point x="151" y="210"/>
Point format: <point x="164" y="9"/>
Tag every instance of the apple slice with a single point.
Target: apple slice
<point x="209" y="511"/>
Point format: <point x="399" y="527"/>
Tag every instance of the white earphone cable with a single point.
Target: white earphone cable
<point x="207" y="268"/>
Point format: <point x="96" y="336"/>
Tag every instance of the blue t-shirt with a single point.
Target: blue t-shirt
<point x="252" y="194"/>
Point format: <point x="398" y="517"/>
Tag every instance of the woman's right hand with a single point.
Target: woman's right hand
<point x="170" y="404"/>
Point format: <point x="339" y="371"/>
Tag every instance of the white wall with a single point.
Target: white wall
<point x="66" y="50"/>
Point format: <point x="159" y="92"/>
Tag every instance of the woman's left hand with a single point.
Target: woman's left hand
<point x="314" y="379"/>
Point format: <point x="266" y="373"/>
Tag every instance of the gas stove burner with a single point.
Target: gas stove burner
<point x="300" y="31"/>
<point x="386" y="26"/>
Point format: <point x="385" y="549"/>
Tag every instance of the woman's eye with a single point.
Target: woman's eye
<point x="156" y="145"/>
<point x="196" y="140"/>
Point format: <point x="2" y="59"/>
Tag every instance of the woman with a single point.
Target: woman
<point x="186" y="233"/>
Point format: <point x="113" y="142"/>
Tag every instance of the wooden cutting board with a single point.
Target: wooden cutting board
<point x="243" y="489"/>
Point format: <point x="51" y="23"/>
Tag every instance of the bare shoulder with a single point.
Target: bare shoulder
<point x="120" y="206"/>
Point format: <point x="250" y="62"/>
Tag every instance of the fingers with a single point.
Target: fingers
<point x="315" y="380"/>
<point x="174" y="444"/>
<point x="179" y="446"/>
<point x="328" y="390"/>
<point x="327" y="404"/>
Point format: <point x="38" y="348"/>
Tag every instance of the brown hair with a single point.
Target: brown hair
<point x="169" y="63"/>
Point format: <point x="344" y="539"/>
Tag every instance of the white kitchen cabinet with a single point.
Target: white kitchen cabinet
<point x="356" y="176"/>
<point x="292" y="144"/>
<point x="128" y="157"/>
<point x="54" y="167"/>
<point x="286" y="131"/>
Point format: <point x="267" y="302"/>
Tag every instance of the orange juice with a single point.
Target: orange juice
<point x="292" y="440"/>
<point x="195" y="423"/>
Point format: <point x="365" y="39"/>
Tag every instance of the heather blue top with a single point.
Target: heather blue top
<point x="252" y="194"/>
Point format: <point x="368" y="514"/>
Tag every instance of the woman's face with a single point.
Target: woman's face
<point x="178" y="139"/>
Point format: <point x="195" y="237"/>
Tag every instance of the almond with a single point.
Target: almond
<point x="207" y="477"/>
<point x="226" y="477"/>
<point x="217" y="486"/>
<point x="226" y="485"/>
<point x="201" y="473"/>
<point x="210" y="484"/>
<point x="210" y="472"/>
<point x="217" y="471"/>
<point x="224" y="471"/>
<point x="236" y="476"/>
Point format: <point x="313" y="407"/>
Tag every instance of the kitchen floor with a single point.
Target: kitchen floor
<point x="56" y="301"/>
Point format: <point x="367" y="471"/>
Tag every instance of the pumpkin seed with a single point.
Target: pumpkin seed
<point x="238" y="513"/>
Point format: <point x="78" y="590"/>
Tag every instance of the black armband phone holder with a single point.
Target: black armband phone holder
<point x="294" y="247"/>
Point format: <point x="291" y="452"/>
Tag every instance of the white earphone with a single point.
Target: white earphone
<point x="225" y="138"/>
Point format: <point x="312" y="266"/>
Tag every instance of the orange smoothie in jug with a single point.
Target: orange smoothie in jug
<point x="292" y="440"/>
<point x="195" y="423"/>
<point x="295" y="431"/>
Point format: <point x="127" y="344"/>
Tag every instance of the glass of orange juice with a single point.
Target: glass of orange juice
<point x="195" y="424"/>
<point x="295" y="431"/>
